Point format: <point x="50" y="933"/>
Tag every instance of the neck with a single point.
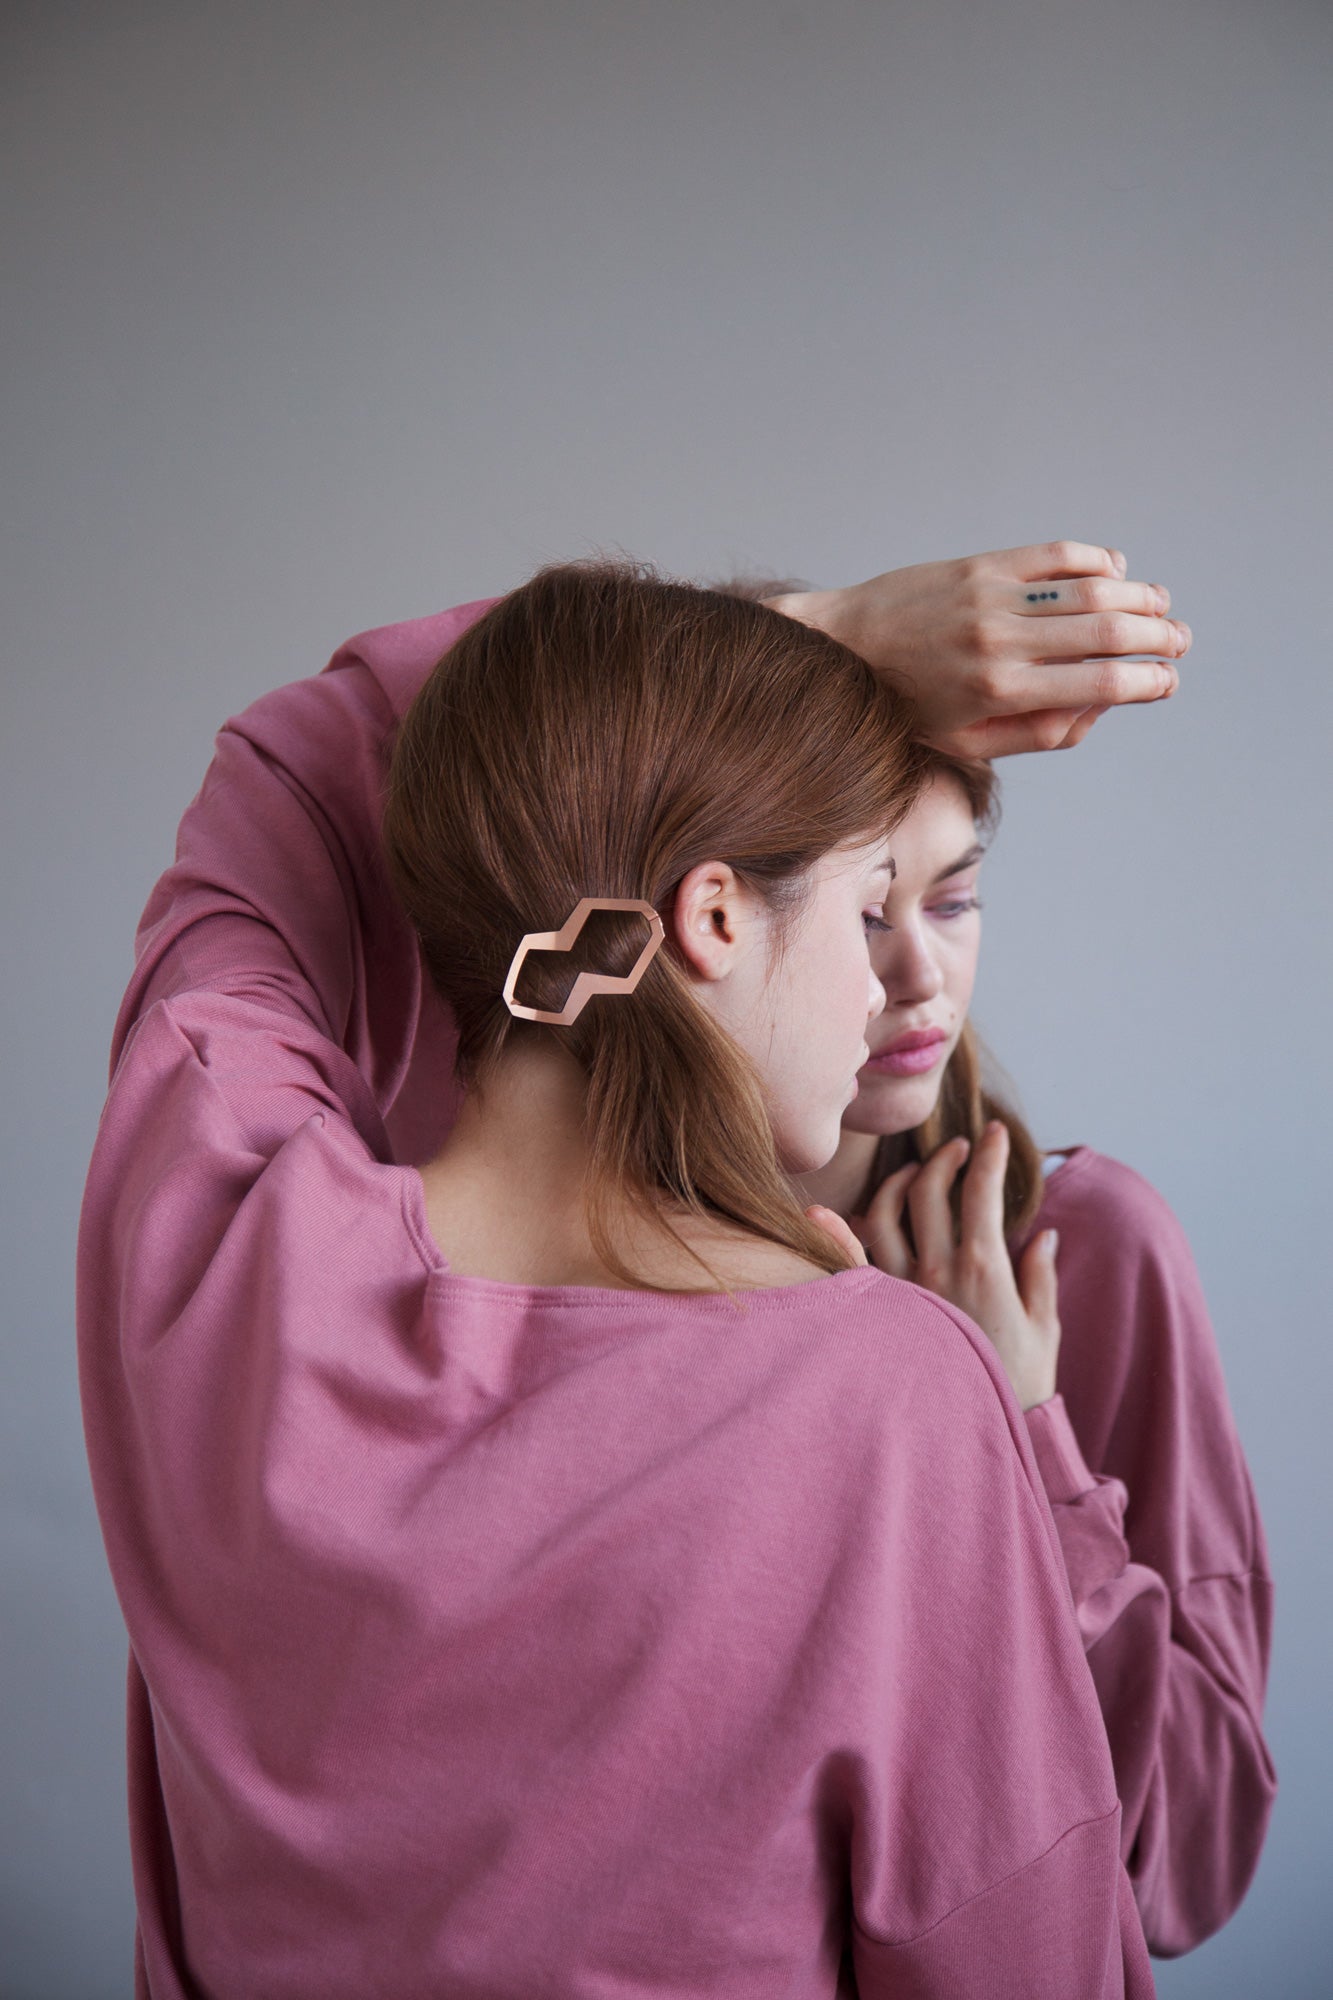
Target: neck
<point x="505" y="1193"/>
<point x="507" y="1187"/>
<point x="525" y="1132"/>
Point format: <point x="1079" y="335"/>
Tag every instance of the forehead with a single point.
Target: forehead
<point x="938" y="831"/>
<point x="938" y="828"/>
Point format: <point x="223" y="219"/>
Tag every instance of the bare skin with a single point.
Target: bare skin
<point x="503" y="1198"/>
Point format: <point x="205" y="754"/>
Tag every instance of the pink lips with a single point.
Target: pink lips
<point x="911" y="1054"/>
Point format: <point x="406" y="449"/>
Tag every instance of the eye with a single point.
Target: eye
<point x="958" y="906"/>
<point x="875" y="923"/>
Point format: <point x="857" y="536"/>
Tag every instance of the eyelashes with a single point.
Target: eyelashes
<point x="959" y="906"/>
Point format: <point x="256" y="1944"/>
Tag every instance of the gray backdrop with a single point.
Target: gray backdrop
<point x="325" y="315"/>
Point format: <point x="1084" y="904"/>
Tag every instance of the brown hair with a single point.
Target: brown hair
<point x="970" y="1093"/>
<point x="600" y="732"/>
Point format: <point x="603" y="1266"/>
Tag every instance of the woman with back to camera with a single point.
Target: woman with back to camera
<point x="1112" y="1357"/>
<point x="512" y="1607"/>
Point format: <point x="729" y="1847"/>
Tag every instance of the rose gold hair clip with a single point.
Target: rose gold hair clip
<point x="587" y="983"/>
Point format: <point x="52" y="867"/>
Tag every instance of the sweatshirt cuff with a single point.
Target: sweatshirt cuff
<point x="1063" y="1468"/>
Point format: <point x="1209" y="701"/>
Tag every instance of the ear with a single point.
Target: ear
<point x="712" y="919"/>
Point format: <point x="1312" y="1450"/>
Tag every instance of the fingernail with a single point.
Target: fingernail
<point x="1118" y="558"/>
<point x="1183" y="633"/>
<point x="1163" y="597"/>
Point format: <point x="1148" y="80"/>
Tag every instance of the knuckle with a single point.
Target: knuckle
<point x="1095" y="593"/>
<point x="981" y="635"/>
<point x="1112" y="633"/>
<point x="973" y="1269"/>
<point x="995" y="684"/>
<point x="1112" y="683"/>
<point x="1050" y="731"/>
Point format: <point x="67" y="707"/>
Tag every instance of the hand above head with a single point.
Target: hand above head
<point x="1018" y="649"/>
<point x="969" y="1266"/>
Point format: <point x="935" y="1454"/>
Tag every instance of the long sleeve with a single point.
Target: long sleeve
<point x="279" y="887"/>
<point x="1163" y="1548"/>
<point x="275" y="1009"/>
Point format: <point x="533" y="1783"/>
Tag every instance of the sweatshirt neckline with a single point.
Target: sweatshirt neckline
<point x="607" y="1298"/>
<point x="602" y="1298"/>
<point x="1076" y="1157"/>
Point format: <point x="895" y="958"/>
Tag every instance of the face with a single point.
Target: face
<point x="926" y="963"/>
<point x="807" y="1020"/>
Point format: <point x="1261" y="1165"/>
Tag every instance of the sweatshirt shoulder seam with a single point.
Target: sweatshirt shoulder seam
<point x="899" y="1944"/>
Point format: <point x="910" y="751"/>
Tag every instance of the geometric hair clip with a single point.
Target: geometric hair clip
<point x="587" y="983"/>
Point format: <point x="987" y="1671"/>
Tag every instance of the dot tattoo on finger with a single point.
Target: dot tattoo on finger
<point x="1041" y="596"/>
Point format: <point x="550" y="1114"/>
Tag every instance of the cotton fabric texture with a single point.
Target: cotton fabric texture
<point x="499" y="1639"/>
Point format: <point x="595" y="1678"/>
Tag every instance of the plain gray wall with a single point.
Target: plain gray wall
<point x="323" y="315"/>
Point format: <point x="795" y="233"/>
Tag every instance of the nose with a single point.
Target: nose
<point x="909" y="973"/>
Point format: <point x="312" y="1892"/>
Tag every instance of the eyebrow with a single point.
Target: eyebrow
<point x="887" y="867"/>
<point x="974" y="853"/>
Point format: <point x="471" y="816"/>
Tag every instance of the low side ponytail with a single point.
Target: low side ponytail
<point x="601" y="732"/>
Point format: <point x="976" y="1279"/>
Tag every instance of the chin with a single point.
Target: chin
<point x="807" y="1152"/>
<point x="889" y="1105"/>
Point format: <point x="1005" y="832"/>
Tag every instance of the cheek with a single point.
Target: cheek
<point x="960" y="971"/>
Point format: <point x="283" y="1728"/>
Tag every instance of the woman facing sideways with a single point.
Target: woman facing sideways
<point x="553" y="1562"/>
<point x="1081" y="1276"/>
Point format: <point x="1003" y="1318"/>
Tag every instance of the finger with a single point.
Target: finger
<point x="1009" y="735"/>
<point x="833" y="1225"/>
<point x="982" y="1215"/>
<point x="1063" y="559"/>
<point x="1078" y="684"/>
<point x="1079" y="729"/>
<point x="1038" y="1280"/>
<point x="1101" y="635"/>
<point x="932" y="1218"/>
<point x="884" y="1222"/>
<point x="1047" y="597"/>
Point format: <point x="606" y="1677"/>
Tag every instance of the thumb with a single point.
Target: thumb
<point x="834" y="1226"/>
<point x="1038" y="1285"/>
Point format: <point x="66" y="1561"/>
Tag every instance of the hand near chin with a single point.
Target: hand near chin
<point x="970" y="1266"/>
<point x="1018" y="649"/>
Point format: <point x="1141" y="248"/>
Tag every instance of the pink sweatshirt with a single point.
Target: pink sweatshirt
<point x="1163" y="1545"/>
<point x="493" y="1639"/>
